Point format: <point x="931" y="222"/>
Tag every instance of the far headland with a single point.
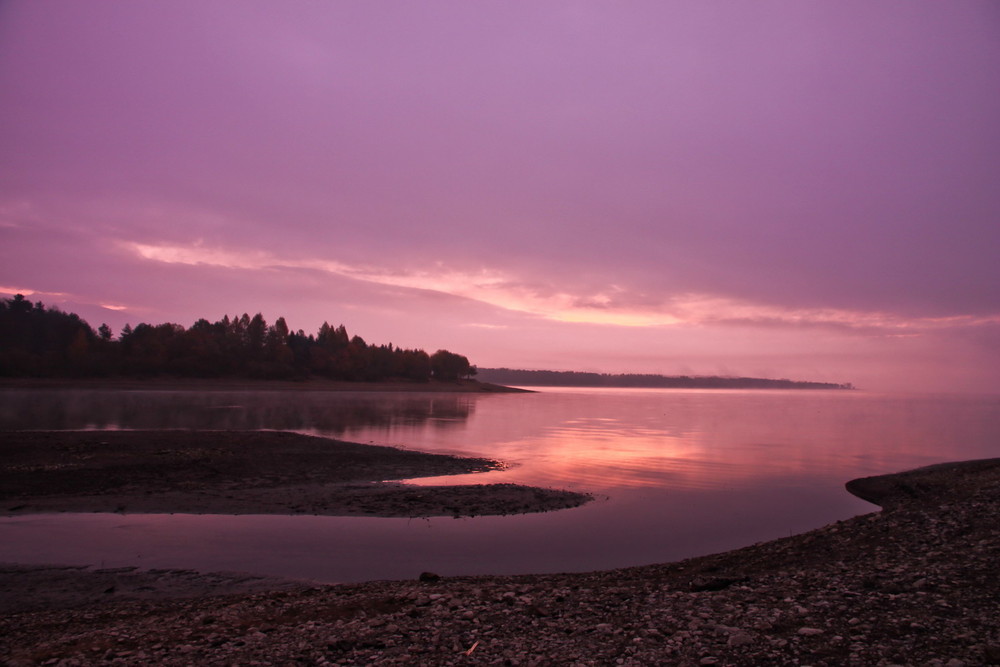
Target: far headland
<point x="541" y="378"/>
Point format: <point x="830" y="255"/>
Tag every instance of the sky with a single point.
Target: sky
<point x="774" y="189"/>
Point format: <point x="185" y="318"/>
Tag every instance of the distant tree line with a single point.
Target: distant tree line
<point x="36" y="341"/>
<point x="507" y="376"/>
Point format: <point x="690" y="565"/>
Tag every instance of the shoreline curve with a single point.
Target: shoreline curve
<point x="912" y="584"/>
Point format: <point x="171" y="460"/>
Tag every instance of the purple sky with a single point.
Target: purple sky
<point x="786" y="189"/>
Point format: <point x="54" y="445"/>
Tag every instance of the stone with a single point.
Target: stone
<point x="739" y="639"/>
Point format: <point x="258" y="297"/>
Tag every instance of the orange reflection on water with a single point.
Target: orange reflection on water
<point x="602" y="454"/>
<point x="605" y="453"/>
<point x="601" y="442"/>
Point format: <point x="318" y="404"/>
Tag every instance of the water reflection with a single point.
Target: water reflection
<point x="680" y="473"/>
<point x="613" y="440"/>
<point x="331" y="413"/>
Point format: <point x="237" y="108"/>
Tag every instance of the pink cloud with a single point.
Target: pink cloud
<point x="574" y="179"/>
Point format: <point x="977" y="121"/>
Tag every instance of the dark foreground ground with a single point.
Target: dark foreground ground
<point x="244" y="472"/>
<point x="915" y="584"/>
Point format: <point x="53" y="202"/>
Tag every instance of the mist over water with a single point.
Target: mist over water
<point x="676" y="474"/>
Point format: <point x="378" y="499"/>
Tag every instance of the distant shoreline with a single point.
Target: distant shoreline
<point x="545" y="378"/>
<point x="244" y="384"/>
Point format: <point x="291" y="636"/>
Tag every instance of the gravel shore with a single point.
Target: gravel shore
<point x="914" y="584"/>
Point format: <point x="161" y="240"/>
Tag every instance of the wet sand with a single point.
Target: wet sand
<point x="244" y="472"/>
<point x="914" y="584"/>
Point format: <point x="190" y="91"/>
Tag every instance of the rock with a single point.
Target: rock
<point x="699" y="584"/>
<point x="739" y="639"/>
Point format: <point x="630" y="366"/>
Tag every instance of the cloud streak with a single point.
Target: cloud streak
<point x="611" y="306"/>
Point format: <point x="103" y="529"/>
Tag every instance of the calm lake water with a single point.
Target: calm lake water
<point x="677" y="473"/>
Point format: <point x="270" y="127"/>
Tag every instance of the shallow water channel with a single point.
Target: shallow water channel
<point x="676" y="473"/>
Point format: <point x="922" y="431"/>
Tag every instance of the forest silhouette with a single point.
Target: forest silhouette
<point x="36" y="341"/>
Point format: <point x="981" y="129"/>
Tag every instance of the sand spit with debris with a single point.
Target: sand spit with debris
<point x="914" y="584"/>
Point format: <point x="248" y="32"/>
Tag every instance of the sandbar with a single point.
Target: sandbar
<point x="245" y="472"/>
